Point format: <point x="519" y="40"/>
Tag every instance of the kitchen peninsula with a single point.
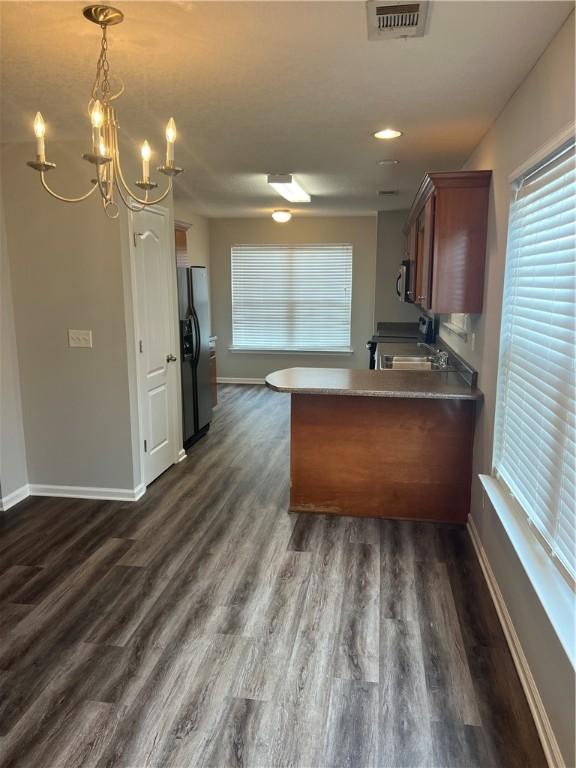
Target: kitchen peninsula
<point x="380" y="443"/>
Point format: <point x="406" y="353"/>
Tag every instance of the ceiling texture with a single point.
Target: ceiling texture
<point x="277" y="87"/>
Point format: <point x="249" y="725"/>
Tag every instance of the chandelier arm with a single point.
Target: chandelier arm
<point x="163" y="196"/>
<point x="143" y="201"/>
<point x="106" y="196"/>
<point x="120" y="176"/>
<point x="126" y="202"/>
<point x="61" y="197"/>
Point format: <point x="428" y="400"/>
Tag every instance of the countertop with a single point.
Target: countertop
<point x="390" y="383"/>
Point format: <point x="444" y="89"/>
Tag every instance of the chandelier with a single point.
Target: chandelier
<point x="105" y="151"/>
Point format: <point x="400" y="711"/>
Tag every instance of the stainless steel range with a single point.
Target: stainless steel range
<point x="424" y="330"/>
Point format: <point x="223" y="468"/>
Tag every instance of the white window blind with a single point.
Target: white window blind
<point x="292" y="297"/>
<point x="534" y="450"/>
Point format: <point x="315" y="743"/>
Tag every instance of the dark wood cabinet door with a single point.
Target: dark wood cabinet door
<point x="447" y="228"/>
<point x="413" y="266"/>
<point x="425" y="260"/>
<point x="459" y="250"/>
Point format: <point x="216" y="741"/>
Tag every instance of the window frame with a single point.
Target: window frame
<point x="513" y="507"/>
<point x="284" y="350"/>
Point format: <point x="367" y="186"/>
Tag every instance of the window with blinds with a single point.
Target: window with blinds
<point x="534" y="450"/>
<point x="292" y="297"/>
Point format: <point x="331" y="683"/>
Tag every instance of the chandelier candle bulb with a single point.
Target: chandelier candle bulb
<point x="39" y="132"/>
<point x="170" y="139"/>
<point x="145" y="152"/>
<point x="96" y="118"/>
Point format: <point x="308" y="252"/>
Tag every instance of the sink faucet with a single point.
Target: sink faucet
<point x="440" y="357"/>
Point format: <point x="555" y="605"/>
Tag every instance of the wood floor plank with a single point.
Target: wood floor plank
<point x="451" y="693"/>
<point x="352" y="733"/>
<point x="507" y="723"/>
<point x="205" y="625"/>
<point x="83" y="673"/>
<point x="14" y="579"/>
<point x="273" y="628"/>
<point x="460" y="746"/>
<point x="476" y="612"/>
<point x="357" y="646"/>
<point x="234" y="736"/>
<point x="296" y="721"/>
<point x="405" y="736"/>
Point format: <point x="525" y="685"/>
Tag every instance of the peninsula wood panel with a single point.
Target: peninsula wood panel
<point x="382" y="457"/>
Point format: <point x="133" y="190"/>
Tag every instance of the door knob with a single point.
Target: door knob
<point x="171" y="358"/>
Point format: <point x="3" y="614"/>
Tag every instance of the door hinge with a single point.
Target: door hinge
<point x="141" y="346"/>
<point x="145" y="446"/>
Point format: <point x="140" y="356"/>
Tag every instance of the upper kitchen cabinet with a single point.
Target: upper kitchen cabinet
<point x="446" y="242"/>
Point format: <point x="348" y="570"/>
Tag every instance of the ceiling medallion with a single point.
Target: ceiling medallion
<point x="105" y="152"/>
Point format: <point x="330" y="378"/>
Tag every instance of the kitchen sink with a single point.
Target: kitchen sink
<point x="405" y="363"/>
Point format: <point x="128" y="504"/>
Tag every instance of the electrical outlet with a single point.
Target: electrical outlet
<point x="79" y="338"/>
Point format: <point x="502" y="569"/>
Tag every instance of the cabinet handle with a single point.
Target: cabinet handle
<point x="421" y="298"/>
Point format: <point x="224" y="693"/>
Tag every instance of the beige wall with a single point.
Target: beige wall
<point x="360" y="231"/>
<point x="198" y="236"/>
<point x="66" y="271"/>
<point x="13" y="472"/>
<point x="390" y="252"/>
<point x="540" y="109"/>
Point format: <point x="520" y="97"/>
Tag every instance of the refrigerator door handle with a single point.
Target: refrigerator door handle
<point x="197" y="334"/>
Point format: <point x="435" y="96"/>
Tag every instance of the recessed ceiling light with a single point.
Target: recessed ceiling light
<point x="387" y="133"/>
<point x="387" y="162"/>
<point x="282" y="216"/>
<point x="286" y="185"/>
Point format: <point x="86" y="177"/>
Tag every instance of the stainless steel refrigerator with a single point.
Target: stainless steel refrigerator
<point x="193" y="308"/>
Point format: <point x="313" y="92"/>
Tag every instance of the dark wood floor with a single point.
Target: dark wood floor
<point x="205" y="626"/>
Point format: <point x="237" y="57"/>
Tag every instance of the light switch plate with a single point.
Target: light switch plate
<point x="79" y="338"/>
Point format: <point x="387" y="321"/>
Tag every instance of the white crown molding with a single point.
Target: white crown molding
<point x="233" y="380"/>
<point x="543" y="726"/>
<point x="11" y="499"/>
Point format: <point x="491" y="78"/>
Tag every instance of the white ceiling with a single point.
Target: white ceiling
<point x="258" y="87"/>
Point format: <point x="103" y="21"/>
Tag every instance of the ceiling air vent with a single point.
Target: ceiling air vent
<point x="388" y="20"/>
<point x="387" y="192"/>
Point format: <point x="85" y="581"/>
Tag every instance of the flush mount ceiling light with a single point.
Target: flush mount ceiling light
<point x="282" y="216"/>
<point x="387" y="133"/>
<point x="105" y="152"/>
<point x="387" y="162"/>
<point x="286" y="185"/>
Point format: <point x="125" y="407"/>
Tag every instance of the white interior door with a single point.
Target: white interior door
<point x="157" y="357"/>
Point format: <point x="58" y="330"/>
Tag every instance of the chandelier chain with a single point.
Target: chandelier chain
<point x="101" y="87"/>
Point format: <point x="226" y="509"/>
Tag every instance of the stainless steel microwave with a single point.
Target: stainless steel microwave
<point x="403" y="281"/>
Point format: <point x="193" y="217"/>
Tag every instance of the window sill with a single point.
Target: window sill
<point x="551" y="587"/>
<point x="260" y="351"/>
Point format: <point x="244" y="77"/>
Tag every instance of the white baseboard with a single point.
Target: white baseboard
<point x="543" y="726"/>
<point x="11" y="499"/>
<point x="181" y="455"/>
<point x="80" y="492"/>
<point x="232" y="380"/>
